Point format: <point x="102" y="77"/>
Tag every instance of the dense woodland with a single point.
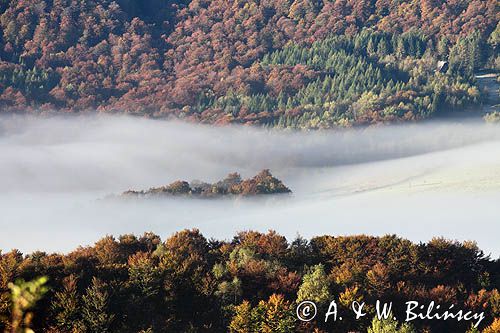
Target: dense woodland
<point x="252" y="283"/>
<point x="302" y="63"/>
<point x="232" y="186"/>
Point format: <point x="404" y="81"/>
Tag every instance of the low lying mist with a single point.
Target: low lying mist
<point x="417" y="181"/>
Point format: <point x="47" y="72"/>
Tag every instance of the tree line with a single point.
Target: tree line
<point x="252" y="283"/>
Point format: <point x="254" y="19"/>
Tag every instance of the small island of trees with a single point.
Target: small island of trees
<point x="233" y="185"/>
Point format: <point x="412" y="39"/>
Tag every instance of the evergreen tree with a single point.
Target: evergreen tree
<point x="95" y="306"/>
<point x="315" y="286"/>
<point x="66" y="306"/>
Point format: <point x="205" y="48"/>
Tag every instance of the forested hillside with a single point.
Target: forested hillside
<point x="252" y="283"/>
<point x="303" y="63"/>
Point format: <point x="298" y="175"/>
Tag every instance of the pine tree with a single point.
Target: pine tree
<point x="95" y="307"/>
<point x="315" y="286"/>
<point x="66" y="305"/>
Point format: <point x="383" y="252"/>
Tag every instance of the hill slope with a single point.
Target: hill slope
<point x="302" y="63"/>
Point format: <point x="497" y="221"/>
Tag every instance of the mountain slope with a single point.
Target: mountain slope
<point x="293" y="64"/>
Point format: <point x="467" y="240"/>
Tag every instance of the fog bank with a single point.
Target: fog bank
<point x="418" y="181"/>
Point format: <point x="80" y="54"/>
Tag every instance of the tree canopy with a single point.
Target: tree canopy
<point x="252" y="283"/>
<point x="302" y="63"/>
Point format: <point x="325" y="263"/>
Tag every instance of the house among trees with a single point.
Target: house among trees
<point x="442" y="66"/>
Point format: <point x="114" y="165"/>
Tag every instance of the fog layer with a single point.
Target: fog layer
<point x="417" y="181"/>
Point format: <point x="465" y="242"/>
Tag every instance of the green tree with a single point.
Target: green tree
<point x="382" y="48"/>
<point x="315" y="286"/>
<point x="494" y="40"/>
<point x="389" y="325"/>
<point x="144" y="276"/>
<point x="229" y="291"/>
<point x="95" y="307"/>
<point x="443" y="47"/>
<point x="66" y="305"/>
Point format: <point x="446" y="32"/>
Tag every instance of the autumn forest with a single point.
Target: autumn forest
<point x="85" y="83"/>
<point x="299" y="64"/>
<point x="251" y="283"/>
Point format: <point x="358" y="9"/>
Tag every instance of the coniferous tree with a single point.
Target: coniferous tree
<point x="66" y="306"/>
<point x="95" y="305"/>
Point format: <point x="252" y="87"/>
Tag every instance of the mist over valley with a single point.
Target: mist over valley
<point x="418" y="181"/>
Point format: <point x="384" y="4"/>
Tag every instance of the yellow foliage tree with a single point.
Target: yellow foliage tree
<point x="494" y="327"/>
